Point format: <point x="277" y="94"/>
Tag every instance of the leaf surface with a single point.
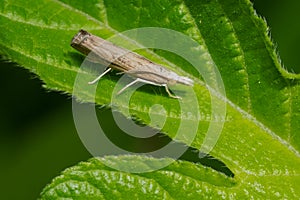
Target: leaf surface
<point x="260" y="139"/>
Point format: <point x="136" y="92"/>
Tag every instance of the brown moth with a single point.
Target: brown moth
<point x="135" y="65"/>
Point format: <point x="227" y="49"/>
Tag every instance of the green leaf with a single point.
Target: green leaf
<point x="94" y="180"/>
<point x="260" y="139"/>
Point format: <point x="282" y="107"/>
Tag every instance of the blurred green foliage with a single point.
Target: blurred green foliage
<point x="37" y="135"/>
<point x="282" y="18"/>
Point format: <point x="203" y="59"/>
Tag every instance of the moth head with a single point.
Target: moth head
<point x="78" y="39"/>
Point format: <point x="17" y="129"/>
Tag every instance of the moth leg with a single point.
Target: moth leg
<point x="171" y="95"/>
<point x="165" y="85"/>
<point x="119" y="73"/>
<point x="128" y="85"/>
<point x="148" y="82"/>
<point x="99" y="77"/>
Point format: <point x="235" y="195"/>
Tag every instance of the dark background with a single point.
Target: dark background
<point x="37" y="135"/>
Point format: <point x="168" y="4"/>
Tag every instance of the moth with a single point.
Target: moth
<point x="128" y="62"/>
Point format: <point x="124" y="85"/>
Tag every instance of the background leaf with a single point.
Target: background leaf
<point x="248" y="56"/>
<point x="94" y="180"/>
